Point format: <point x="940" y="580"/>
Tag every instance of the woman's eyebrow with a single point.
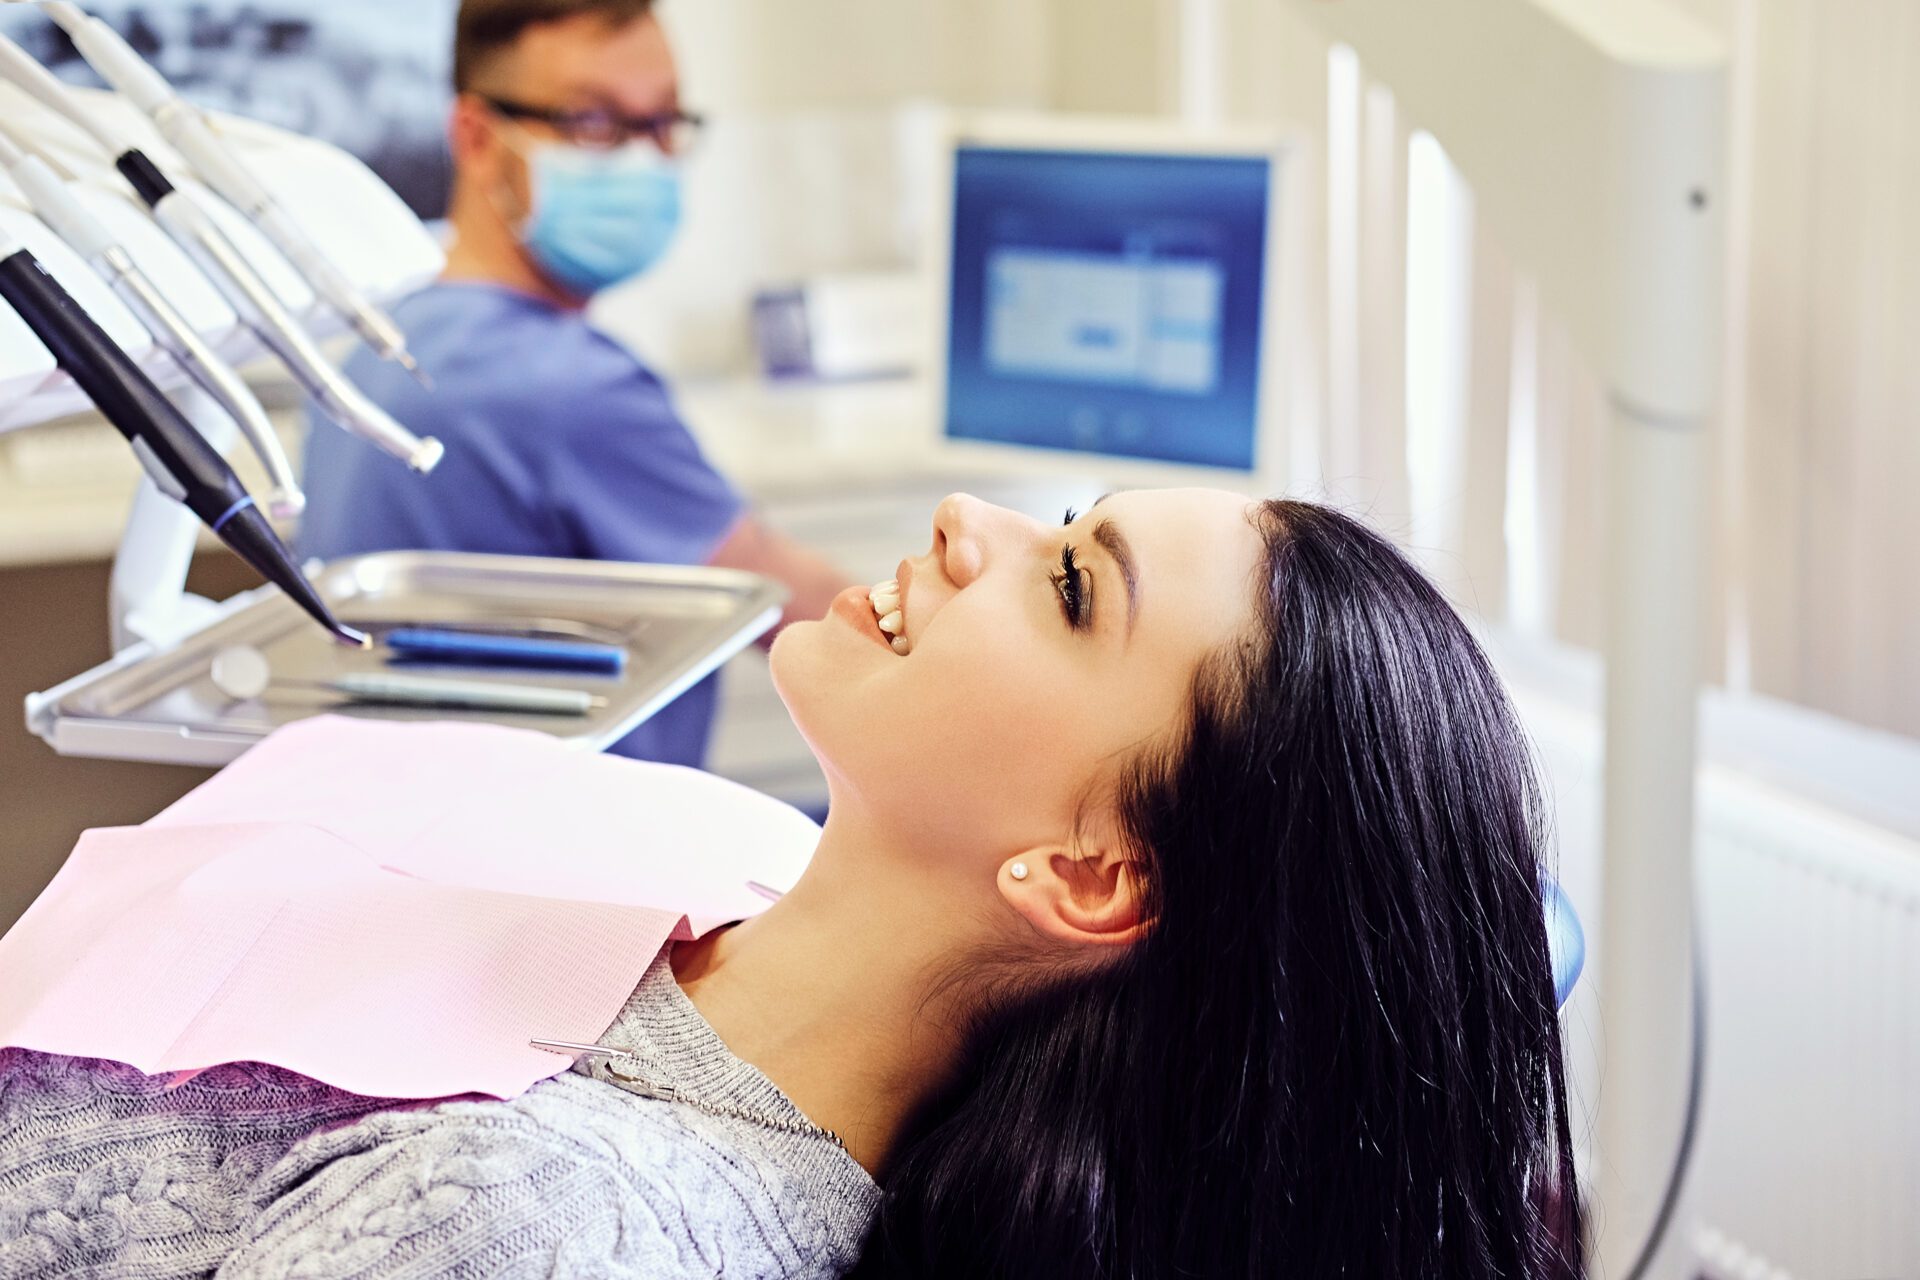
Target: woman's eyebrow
<point x="1108" y="535"/>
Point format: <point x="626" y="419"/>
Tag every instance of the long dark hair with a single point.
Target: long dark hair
<point x="1336" y="1052"/>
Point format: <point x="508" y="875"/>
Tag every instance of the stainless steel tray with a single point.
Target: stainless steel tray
<point x="676" y="623"/>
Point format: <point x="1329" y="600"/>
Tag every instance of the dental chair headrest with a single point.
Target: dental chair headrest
<point x="1565" y="942"/>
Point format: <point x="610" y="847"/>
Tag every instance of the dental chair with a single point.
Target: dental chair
<point x="1566" y="943"/>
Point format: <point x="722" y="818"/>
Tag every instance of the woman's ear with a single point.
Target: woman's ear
<point x="1080" y="897"/>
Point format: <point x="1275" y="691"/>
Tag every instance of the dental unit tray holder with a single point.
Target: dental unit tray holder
<point x="158" y="703"/>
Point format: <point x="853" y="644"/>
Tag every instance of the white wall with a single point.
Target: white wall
<point x="823" y="118"/>
<point x="1112" y="56"/>
<point x="777" y="55"/>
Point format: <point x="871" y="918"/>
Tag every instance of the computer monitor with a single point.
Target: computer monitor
<point x="1105" y="291"/>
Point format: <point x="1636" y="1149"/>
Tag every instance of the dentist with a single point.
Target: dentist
<point x="567" y="135"/>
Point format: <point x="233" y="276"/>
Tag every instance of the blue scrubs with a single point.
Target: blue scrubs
<point x="559" y="443"/>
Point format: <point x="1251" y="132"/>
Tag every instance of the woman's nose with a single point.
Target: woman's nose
<point x="961" y="532"/>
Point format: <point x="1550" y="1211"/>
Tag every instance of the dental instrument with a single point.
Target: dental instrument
<point x="259" y="306"/>
<point x="480" y="648"/>
<point x="53" y="199"/>
<point x="152" y="700"/>
<point x="243" y="672"/>
<point x="182" y="464"/>
<point x="192" y="135"/>
<point x="574" y="1049"/>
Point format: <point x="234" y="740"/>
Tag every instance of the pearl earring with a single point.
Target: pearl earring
<point x="1018" y="871"/>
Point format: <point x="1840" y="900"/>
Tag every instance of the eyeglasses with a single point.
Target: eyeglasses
<point x="673" y="132"/>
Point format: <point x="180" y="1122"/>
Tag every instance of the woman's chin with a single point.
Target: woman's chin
<point x="787" y="655"/>
<point x="802" y="663"/>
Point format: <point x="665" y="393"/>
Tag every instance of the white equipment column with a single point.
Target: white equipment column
<point x="147" y="597"/>
<point x="1593" y="138"/>
<point x="1201" y="76"/>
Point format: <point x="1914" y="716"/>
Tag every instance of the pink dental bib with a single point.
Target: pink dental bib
<point x="395" y="909"/>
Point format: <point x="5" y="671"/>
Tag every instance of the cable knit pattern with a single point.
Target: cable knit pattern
<point x="250" y="1172"/>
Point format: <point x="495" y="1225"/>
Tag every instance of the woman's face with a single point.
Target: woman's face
<point x="1031" y="677"/>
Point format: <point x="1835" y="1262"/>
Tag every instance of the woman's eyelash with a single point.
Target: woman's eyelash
<point x="1072" y="515"/>
<point x="1071" y="583"/>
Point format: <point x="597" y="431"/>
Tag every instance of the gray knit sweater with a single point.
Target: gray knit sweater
<point x="248" y="1171"/>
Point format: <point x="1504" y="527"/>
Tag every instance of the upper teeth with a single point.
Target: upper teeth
<point x="886" y="608"/>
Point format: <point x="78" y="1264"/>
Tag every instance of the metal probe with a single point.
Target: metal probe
<point x="242" y="671"/>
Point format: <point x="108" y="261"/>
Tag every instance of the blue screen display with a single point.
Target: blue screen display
<point x="1108" y="303"/>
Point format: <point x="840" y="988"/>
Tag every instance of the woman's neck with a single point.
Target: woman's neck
<point x="835" y="992"/>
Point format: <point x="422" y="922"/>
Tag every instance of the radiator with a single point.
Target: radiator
<point x="1810" y="1147"/>
<point x="1807" y="1165"/>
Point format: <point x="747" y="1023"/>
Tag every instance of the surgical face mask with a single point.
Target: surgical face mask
<point x="600" y="217"/>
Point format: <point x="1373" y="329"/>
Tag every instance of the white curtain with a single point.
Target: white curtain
<point x="1494" y="473"/>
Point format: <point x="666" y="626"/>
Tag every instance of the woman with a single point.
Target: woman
<point x="1178" y="914"/>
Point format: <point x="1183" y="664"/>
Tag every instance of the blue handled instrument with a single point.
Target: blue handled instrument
<point x="485" y="649"/>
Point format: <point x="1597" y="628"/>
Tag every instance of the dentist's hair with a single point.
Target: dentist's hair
<point x="485" y="29"/>
<point x="1336" y="1051"/>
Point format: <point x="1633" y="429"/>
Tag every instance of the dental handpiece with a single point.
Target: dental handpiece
<point x="188" y="130"/>
<point x="194" y="230"/>
<point x="181" y="463"/>
<point x="54" y="201"/>
<point x="259" y="306"/>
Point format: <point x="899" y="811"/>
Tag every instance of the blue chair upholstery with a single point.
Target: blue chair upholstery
<point x="1565" y="941"/>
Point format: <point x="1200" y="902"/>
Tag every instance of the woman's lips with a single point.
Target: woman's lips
<point x="853" y="607"/>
